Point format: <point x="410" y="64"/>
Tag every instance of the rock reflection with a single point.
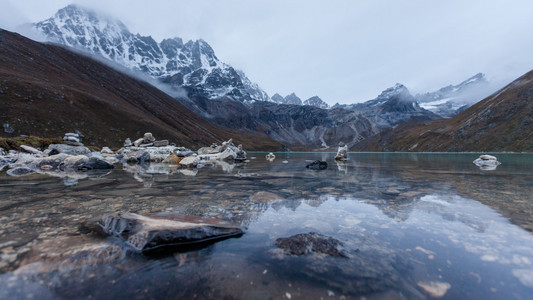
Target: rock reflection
<point x="410" y="224"/>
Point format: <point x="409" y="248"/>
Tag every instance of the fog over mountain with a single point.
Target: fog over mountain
<point x="328" y="49"/>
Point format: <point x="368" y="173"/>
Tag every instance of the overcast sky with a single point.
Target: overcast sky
<point x="343" y="51"/>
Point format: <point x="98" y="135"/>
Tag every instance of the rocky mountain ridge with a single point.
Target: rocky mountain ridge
<point x="192" y="65"/>
<point x="225" y="96"/>
<point x="452" y="99"/>
<point x="501" y="122"/>
<point x="47" y="90"/>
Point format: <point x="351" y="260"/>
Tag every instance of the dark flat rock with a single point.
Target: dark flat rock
<point x="167" y="231"/>
<point x="317" y="165"/>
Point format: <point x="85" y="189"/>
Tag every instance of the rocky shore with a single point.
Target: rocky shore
<point x="71" y="159"/>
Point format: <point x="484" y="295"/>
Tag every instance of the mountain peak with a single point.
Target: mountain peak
<point x="293" y="99"/>
<point x="316" y="101"/>
<point x="398" y="90"/>
<point x="192" y="65"/>
<point x="278" y="98"/>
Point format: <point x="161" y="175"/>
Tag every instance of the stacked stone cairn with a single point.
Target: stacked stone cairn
<point x="72" y="139"/>
<point x="342" y="152"/>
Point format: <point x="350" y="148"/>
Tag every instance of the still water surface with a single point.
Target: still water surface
<point x="413" y="226"/>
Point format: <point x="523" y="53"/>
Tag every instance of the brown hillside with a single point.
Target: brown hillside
<point x="46" y="90"/>
<point x="500" y="122"/>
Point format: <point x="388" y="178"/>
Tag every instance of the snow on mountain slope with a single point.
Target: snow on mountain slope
<point x="192" y="65"/>
<point x="450" y="100"/>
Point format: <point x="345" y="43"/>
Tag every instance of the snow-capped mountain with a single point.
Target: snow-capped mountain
<point x="192" y="65"/>
<point x="450" y="100"/>
<point x="316" y="101"/>
<point x="291" y="99"/>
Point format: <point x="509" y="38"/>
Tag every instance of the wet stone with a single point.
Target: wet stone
<point x="166" y="231"/>
<point x="317" y="165"/>
<point x="308" y="243"/>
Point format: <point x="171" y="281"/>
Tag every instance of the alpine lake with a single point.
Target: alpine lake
<point x="399" y="226"/>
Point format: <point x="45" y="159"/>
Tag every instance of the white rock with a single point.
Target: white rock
<point x="138" y="142"/>
<point x="106" y="150"/>
<point x="190" y="161"/>
<point x="31" y="150"/>
<point x="487" y="162"/>
<point x="435" y="289"/>
<point x="127" y="142"/>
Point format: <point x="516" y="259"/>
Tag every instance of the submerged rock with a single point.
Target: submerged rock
<point x="166" y="230"/>
<point x="435" y="289"/>
<point x="317" y="165"/>
<point x="308" y="243"/>
<point x="20" y="171"/>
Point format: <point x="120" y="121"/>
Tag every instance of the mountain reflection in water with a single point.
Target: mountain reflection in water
<point x="412" y="226"/>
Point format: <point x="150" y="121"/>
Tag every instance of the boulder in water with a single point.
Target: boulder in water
<point x="487" y="162"/>
<point x="190" y="161"/>
<point x="167" y="231"/>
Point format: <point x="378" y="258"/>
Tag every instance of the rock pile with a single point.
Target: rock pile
<point x="58" y="160"/>
<point x="63" y="160"/>
<point x="72" y="139"/>
<point x="147" y="140"/>
<point x="227" y="152"/>
<point x="270" y="156"/>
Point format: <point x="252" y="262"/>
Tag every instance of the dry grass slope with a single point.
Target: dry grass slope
<point x="46" y="90"/>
